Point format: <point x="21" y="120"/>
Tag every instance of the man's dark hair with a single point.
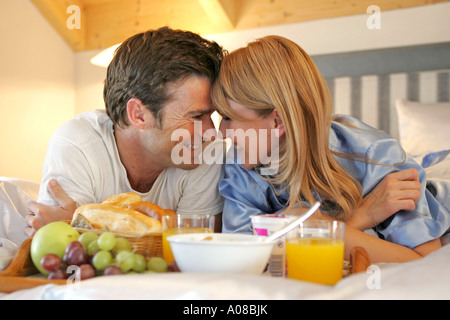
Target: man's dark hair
<point x="145" y="63"/>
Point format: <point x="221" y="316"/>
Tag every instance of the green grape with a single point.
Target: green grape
<point x="106" y="241"/>
<point x="139" y="263"/>
<point x="122" y="244"/>
<point x="149" y="271"/>
<point x="125" y="260"/>
<point x="102" y="260"/>
<point x="157" y="264"/>
<point x="92" y="247"/>
<point x="87" y="237"/>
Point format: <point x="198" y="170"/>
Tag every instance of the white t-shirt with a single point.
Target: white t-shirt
<point x="82" y="156"/>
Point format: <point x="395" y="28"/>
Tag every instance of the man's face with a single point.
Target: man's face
<point x="185" y="118"/>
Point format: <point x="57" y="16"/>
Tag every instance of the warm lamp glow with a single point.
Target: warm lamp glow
<point x="104" y="58"/>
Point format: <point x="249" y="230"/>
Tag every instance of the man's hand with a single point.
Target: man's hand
<point x="397" y="191"/>
<point x="41" y="215"/>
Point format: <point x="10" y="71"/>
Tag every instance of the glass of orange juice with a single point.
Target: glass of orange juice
<point x="315" y="252"/>
<point x="183" y="223"/>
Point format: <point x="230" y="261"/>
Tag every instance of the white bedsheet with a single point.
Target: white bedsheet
<point x="428" y="278"/>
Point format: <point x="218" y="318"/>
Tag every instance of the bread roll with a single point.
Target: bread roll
<point x="150" y="209"/>
<point x="169" y="211"/>
<point x="122" y="200"/>
<point x="111" y="218"/>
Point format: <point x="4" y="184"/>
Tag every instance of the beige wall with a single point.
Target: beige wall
<point x="36" y="88"/>
<point x="43" y="83"/>
<point x="88" y="83"/>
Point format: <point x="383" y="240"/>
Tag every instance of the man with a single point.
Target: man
<point x="157" y="82"/>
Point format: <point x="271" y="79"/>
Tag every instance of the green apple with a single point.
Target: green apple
<point x="51" y="238"/>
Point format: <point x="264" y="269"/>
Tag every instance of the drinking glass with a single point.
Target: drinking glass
<point x="183" y="223"/>
<point x="315" y="252"/>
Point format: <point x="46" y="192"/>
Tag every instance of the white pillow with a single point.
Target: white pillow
<point x="423" y="127"/>
<point x="14" y="196"/>
<point x="31" y="188"/>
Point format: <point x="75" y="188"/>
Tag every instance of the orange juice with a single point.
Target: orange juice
<point x="318" y="260"/>
<point x="167" y="252"/>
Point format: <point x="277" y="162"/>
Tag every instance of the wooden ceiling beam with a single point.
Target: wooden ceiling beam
<point x="222" y="13"/>
<point x="263" y="13"/>
<point x="114" y="21"/>
<point x="68" y="23"/>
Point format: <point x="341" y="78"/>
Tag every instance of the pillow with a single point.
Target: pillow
<point x="423" y="127"/>
<point x="31" y="188"/>
<point x="14" y="196"/>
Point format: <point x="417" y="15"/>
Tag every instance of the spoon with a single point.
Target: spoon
<point x="293" y="224"/>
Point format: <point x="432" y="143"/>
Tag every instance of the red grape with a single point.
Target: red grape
<point x="72" y="245"/>
<point x="86" y="271"/>
<point x="51" y="262"/>
<point x="112" y="270"/>
<point x="58" y="274"/>
<point x="173" y="267"/>
<point x="77" y="256"/>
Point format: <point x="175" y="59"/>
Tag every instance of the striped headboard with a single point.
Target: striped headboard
<point x="367" y="84"/>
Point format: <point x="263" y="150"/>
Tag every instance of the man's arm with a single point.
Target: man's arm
<point x="41" y="214"/>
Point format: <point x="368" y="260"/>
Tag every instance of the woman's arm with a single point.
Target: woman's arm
<point x="397" y="191"/>
<point x="428" y="247"/>
<point x="378" y="250"/>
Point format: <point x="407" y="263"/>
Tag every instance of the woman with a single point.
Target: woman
<point x="361" y="175"/>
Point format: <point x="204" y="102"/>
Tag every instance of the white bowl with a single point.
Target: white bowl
<point x="220" y="252"/>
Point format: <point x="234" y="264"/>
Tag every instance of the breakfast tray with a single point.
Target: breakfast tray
<point x="16" y="276"/>
<point x="22" y="274"/>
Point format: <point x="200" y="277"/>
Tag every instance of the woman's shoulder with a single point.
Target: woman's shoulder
<point x="352" y="136"/>
<point x="234" y="171"/>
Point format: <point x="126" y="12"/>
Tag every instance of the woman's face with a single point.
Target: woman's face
<point x="255" y="137"/>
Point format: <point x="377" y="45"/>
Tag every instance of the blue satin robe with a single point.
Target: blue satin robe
<point x="246" y="193"/>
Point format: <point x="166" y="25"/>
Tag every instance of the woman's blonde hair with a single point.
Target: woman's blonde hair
<point x="275" y="73"/>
